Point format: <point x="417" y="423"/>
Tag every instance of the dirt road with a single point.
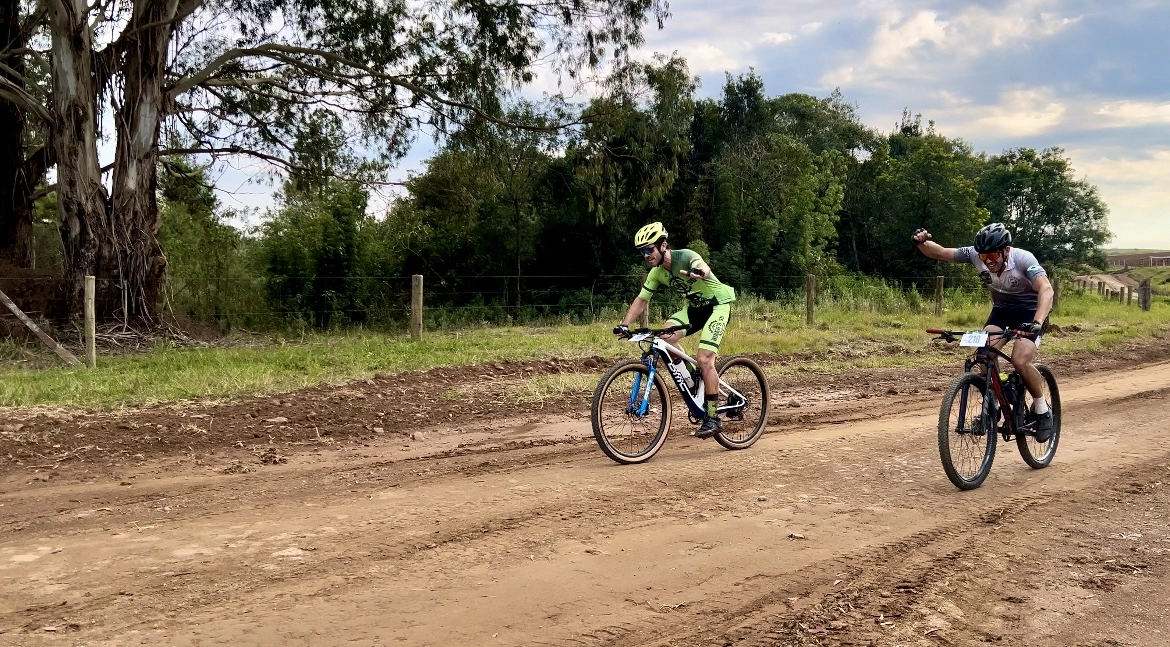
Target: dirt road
<point x="837" y="528"/>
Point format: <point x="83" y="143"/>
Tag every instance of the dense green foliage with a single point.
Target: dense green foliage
<point x="522" y="223"/>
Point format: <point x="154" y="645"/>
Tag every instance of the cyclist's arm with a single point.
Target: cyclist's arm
<point x="1044" y="293"/>
<point x="933" y="250"/>
<point x="699" y="269"/>
<point x="635" y="311"/>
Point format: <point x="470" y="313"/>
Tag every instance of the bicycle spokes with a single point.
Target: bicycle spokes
<point x="966" y="432"/>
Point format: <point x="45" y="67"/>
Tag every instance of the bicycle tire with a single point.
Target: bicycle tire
<point x="742" y="431"/>
<point x="976" y="431"/>
<point x="610" y="414"/>
<point x="1036" y="454"/>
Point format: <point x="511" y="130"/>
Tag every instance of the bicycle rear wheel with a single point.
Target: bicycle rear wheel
<point x="1037" y="454"/>
<point x="966" y="432"/>
<point x="630" y="417"/>
<point x="743" y="425"/>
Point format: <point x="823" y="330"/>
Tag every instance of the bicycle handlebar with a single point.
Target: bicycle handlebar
<point x="954" y="335"/>
<point x="655" y="332"/>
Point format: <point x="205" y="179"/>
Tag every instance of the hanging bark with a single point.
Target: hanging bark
<point x="134" y="217"/>
<point x="16" y="188"/>
<point x="82" y="204"/>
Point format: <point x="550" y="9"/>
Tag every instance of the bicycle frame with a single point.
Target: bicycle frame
<point x="653" y="348"/>
<point x="988" y="357"/>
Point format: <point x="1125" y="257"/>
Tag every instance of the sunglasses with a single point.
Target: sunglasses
<point x="646" y="251"/>
<point x="992" y="256"/>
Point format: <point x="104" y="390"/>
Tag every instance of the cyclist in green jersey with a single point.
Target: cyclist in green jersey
<point x="708" y="309"/>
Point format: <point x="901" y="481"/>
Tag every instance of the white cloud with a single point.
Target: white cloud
<point x="704" y="58"/>
<point x="1124" y="114"/>
<point x="1022" y="113"/>
<point x="811" y="27"/>
<point x="893" y="44"/>
<point x="773" y="38"/>
<point x="1135" y="188"/>
<point x="914" y="46"/>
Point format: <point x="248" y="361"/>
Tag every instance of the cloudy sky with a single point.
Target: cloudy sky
<point x="1090" y="77"/>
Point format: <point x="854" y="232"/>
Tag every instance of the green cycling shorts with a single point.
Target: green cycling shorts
<point x="712" y="320"/>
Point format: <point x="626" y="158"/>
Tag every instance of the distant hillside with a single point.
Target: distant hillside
<point x="1137" y="257"/>
<point x="1136" y="250"/>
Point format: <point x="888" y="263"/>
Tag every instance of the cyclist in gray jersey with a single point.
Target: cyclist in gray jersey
<point x="1022" y="300"/>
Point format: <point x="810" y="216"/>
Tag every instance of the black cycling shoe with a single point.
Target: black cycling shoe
<point x="1043" y="426"/>
<point x="710" y="427"/>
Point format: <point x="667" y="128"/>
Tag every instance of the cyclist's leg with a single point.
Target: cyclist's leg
<point x="680" y="318"/>
<point x="714" y="321"/>
<point x="995" y="323"/>
<point x="713" y="329"/>
<point x="1024" y="359"/>
<point x="999" y="320"/>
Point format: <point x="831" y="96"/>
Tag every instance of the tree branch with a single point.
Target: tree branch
<point x="32" y="22"/>
<point x="20" y="96"/>
<point x="288" y="53"/>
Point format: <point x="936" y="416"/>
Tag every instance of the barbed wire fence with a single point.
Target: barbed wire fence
<point x="385" y="302"/>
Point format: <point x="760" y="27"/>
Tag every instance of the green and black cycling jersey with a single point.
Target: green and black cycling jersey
<point x="699" y="292"/>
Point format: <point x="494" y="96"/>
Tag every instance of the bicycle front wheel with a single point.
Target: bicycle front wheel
<point x="630" y="414"/>
<point x="966" y="432"/>
<point x="1037" y="454"/>
<point x="746" y="410"/>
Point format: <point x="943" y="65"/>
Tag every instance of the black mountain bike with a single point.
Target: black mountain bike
<point x="984" y="403"/>
<point x="631" y="406"/>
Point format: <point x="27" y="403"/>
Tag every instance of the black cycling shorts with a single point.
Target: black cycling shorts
<point x="1005" y="318"/>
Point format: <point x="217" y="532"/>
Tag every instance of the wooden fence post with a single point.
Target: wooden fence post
<point x="49" y="341"/>
<point x="1145" y="295"/>
<point x="1101" y="288"/>
<point x="416" y="307"/>
<point x="810" y="293"/>
<point x="90" y="323"/>
<point x="939" y="283"/>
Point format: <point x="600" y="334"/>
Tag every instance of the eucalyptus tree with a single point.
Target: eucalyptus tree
<point x="630" y="153"/>
<point x="239" y="77"/>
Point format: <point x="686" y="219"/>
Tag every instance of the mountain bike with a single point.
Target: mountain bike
<point x="631" y="409"/>
<point x="982" y="404"/>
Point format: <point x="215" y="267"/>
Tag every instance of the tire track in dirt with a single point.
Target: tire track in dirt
<point x="857" y="491"/>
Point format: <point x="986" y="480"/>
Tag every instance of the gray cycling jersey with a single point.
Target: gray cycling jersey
<point x="1011" y="288"/>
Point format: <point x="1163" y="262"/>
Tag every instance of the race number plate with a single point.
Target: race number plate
<point x="974" y="339"/>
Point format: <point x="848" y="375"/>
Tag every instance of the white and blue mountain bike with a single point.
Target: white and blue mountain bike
<point x="631" y="409"/>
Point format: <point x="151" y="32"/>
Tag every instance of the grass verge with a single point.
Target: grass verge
<point x="838" y="341"/>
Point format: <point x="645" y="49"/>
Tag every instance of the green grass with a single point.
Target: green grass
<point x="1159" y="278"/>
<point x="839" y="340"/>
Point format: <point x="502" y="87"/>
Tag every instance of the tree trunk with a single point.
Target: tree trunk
<point x="16" y="213"/>
<point x="81" y="198"/>
<point x="134" y="217"/>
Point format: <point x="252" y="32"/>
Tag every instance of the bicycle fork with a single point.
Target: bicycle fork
<point x="640" y="394"/>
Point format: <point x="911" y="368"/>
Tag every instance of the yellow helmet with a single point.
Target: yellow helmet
<point x="650" y="234"/>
